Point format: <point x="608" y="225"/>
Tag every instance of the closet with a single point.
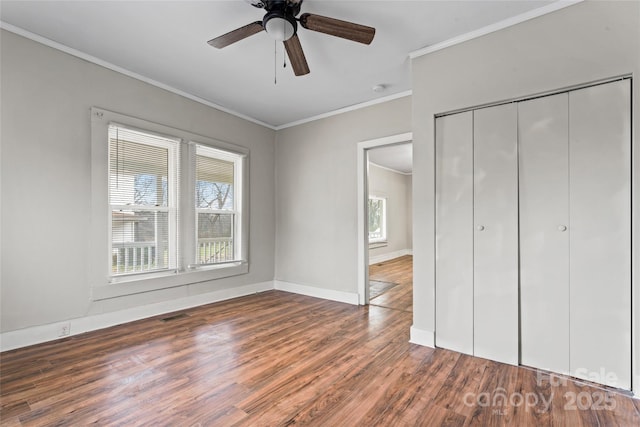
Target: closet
<point x="533" y="233"/>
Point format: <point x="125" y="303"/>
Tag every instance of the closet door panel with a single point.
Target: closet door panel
<point x="496" y="233"/>
<point x="600" y="233"/>
<point x="544" y="236"/>
<point x="454" y="232"/>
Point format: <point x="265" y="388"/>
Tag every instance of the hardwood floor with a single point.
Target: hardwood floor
<point x="394" y="278"/>
<point x="277" y="359"/>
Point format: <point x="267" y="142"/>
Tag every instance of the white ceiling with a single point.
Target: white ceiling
<point x="165" y="42"/>
<point x="396" y="157"/>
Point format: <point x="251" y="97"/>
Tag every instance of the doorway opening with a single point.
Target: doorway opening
<point x="385" y="222"/>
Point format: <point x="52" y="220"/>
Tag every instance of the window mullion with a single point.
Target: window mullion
<point x="173" y="193"/>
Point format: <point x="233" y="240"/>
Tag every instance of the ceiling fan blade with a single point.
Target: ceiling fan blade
<point x="296" y="56"/>
<point x="336" y="27"/>
<point x="256" y="3"/>
<point x="236" y="35"/>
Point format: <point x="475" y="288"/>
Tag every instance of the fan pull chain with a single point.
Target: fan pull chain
<point x="275" y="62"/>
<point x="284" y="55"/>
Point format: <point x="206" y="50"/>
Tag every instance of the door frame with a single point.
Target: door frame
<point x="363" y="191"/>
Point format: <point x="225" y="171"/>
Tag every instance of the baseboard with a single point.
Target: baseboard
<point x="49" y="332"/>
<point x="422" y="337"/>
<point x="312" y="291"/>
<point x="390" y="255"/>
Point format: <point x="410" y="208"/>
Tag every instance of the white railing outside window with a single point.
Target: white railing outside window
<point x="134" y="257"/>
<point x="215" y="250"/>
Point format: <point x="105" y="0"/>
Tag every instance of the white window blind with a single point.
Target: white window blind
<point x="142" y="201"/>
<point x="217" y="205"/>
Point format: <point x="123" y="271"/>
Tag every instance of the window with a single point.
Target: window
<point x="142" y="201"/>
<point x="217" y="204"/>
<point x="168" y="207"/>
<point x="377" y="219"/>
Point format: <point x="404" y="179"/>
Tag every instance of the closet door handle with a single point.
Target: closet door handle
<point x="480" y="228"/>
<point x="562" y="228"/>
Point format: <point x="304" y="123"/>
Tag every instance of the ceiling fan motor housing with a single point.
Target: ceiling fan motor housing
<point x="292" y="7"/>
<point x="279" y="24"/>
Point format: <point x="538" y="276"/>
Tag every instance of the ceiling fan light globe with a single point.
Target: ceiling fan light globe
<point x="279" y="28"/>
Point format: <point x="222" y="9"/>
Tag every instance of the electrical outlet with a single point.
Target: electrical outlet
<point x="64" y="329"/>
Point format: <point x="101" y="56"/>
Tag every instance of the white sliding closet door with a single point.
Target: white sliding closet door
<point x="533" y="233"/>
<point x="454" y="235"/>
<point x="600" y="237"/>
<point x="544" y="232"/>
<point x="495" y="262"/>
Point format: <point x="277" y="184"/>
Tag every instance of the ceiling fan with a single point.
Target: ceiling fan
<point x="281" y="23"/>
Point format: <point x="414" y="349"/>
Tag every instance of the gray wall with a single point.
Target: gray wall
<point x="316" y="193"/>
<point x="46" y="180"/>
<point x="409" y="211"/>
<point x="396" y="188"/>
<point x="582" y="43"/>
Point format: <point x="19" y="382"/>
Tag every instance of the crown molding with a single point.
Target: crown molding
<point x="390" y="169"/>
<point x="509" y="22"/>
<point x="346" y="109"/>
<point x="92" y="59"/>
<point x="89" y="58"/>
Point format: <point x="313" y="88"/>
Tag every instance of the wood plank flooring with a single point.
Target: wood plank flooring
<point x="279" y="359"/>
<point x="399" y="273"/>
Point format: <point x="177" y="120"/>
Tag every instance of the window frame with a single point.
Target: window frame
<point x="238" y="191"/>
<point x="383" y="238"/>
<point x="98" y="270"/>
<point x="172" y="145"/>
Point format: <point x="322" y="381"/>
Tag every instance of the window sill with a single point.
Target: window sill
<point x="380" y="244"/>
<point x="136" y="284"/>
